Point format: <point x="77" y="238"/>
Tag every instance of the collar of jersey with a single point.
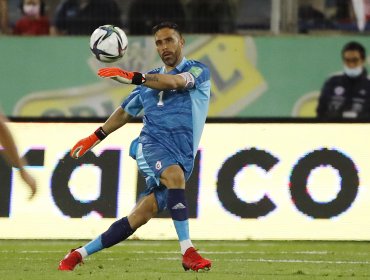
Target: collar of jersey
<point x="178" y="68"/>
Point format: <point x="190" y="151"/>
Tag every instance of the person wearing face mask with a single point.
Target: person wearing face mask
<point x="347" y="95"/>
<point x="33" y="22"/>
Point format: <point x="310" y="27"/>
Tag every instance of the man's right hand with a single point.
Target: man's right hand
<point x="122" y="76"/>
<point x="86" y="144"/>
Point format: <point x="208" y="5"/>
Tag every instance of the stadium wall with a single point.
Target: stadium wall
<point x="282" y="181"/>
<point x="251" y="76"/>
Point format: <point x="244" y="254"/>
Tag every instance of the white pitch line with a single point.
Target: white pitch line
<point x="255" y="260"/>
<point x="231" y="252"/>
<point x="31" y="251"/>
<point x="297" y="261"/>
<point x="236" y="260"/>
<point x="177" y="252"/>
<point x="258" y="260"/>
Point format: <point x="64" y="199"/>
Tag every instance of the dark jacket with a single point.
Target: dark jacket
<point x="344" y="97"/>
<point x="75" y="20"/>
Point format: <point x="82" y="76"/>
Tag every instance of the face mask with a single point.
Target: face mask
<point x="31" y="10"/>
<point x="353" y="72"/>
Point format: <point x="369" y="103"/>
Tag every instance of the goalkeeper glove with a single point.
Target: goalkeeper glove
<point x="122" y="76"/>
<point x="86" y="144"/>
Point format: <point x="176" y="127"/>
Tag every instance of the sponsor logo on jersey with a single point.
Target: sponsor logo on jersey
<point x="196" y="71"/>
<point x="339" y="90"/>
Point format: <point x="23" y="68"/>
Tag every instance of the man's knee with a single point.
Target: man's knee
<point x="144" y="210"/>
<point x="173" y="177"/>
<point x="139" y="218"/>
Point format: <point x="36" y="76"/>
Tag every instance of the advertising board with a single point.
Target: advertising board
<point x="281" y="181"/>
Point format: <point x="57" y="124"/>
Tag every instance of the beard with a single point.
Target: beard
<point x="171" y="58"/>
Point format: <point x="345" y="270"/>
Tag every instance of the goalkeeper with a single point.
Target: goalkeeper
<point x="175" y="101"/>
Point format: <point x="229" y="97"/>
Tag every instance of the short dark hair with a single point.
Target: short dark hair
<point x="166" y="24"/>
<point x="354" y="46"/>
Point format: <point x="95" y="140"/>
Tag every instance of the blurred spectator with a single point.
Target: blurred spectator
<point x="4" y="25"/>
<point x="33" y="21"/>
<point x="144" y="14"/>
<point x="82" y="17"/>
<point x="310" y="17"/>
<point x="212" y="16"/>
<point x="344" y="13"/>
<point x="252" y="14"/>
<point x="347" y="95"/>
<point x="344" y="17"/>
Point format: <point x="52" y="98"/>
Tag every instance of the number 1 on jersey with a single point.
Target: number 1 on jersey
<point x="160" y="101"/>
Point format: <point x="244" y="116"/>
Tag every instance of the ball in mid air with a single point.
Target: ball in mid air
<point x="108" y="43"/>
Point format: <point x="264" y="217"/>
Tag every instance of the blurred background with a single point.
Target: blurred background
<point x="253" y="47"/>
<point x="226" y="16"/>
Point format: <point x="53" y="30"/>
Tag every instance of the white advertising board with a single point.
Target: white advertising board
<point x="284" y="181"/>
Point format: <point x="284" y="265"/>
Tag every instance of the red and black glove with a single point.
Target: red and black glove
<point x="122" y="76"/>
<point x="86" y="144"/>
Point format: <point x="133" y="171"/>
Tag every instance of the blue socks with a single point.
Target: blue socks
<point x="117" y="232"/>
<point x="176" y="204"/>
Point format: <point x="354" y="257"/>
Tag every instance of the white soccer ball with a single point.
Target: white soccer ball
<point x="108" y="43"/>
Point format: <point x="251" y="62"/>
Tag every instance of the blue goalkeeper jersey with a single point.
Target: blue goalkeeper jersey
<point x="173" y="119"/>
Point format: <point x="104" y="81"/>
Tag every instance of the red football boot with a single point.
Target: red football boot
<point x="192" y="260"/>
<point x="70" y="261"/>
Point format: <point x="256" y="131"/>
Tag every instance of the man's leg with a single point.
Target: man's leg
<point x="173" y="178"/>
<point x="145" y="209"/>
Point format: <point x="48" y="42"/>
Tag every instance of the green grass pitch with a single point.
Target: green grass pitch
<point x="160" y="260"/>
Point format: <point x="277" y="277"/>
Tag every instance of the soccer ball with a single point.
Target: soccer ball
<point x="108" y="43"/>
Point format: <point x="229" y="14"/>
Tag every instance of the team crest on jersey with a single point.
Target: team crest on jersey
<point x="196" y="71"/>
<point x="158" y="165"/>
<point x="339" y="90"/>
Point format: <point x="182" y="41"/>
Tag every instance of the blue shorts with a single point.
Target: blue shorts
<point x="156" y="160"/>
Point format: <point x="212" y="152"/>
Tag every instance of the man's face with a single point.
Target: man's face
<point x="169" y="46"/>
<point x="352" y="59"/>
